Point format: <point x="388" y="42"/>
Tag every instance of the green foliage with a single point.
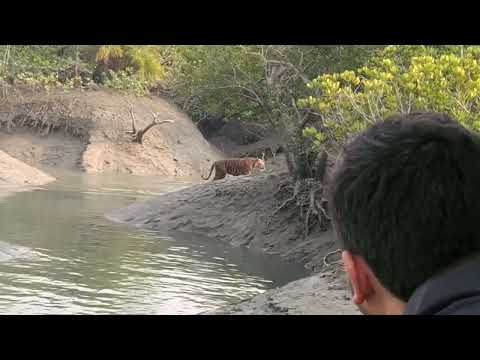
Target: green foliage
<point x="46" y="81"/>
<point x="145" y="61"/>
<point x="39" y="65"/>
<point x="400" y="79"/>
<point x="316" y="137"/>
<point x="205" y="76"/>
<point x="238" y="81"/>
<point x="136" y="68"/>
<point x="31" y="60"/>
<point x="125" y="81"/>
<point x="107" y="53"/>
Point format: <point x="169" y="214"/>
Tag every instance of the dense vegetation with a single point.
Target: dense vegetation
<point x="398" y="80"/>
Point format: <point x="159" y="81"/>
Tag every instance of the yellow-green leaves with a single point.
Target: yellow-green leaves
<point x="400" y="79"/>
<point x="108" y="52"/>
<point x="315" y="136"/>
<point x="145" y="60"/>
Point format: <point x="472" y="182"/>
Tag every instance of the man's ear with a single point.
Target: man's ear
<point x="358" y="272"/>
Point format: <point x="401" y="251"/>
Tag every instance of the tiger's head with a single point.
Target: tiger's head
<point x="260" y="164"/>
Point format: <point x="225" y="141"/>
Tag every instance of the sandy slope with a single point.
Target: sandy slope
<point x="90" y="134"/>
<point x="14" y="173"/>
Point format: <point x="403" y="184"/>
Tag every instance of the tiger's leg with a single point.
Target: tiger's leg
<point x="219" y="174"/>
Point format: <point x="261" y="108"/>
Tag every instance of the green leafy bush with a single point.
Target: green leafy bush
<point x="401" y="79"/>
<point x="127" y="82"/>
<point x="145" y="61"/>
<point x="140" y="66"/>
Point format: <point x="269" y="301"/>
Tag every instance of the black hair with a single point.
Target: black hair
<point x="405" y="196"/>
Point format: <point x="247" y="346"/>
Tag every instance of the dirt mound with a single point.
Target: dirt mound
<point x="17" y="176"/>
<point x="43" y="151"/>
<point x="88" y="130"/>
<point x="234" y="210"/>
<point x="14" y="173"/>
<point x="319" y="294"/>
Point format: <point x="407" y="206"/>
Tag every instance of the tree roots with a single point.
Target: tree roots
<point x="307" y="197"/>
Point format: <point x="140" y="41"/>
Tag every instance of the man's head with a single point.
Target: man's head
<point x="405" y="204"/>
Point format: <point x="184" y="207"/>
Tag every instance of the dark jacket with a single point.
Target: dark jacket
<point x="455" y="292"/>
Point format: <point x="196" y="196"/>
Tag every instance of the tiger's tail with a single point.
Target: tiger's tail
<point x="211" y="170"/>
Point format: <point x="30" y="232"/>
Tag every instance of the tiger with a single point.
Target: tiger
<point x="235" y="167"/>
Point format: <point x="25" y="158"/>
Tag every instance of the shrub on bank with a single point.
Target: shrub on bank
<point x="401" y="79"/>
<point x="126" y="68"/>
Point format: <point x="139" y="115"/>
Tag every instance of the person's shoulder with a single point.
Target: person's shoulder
<point x="455" y="291"/>
<point x="464" y="306"/>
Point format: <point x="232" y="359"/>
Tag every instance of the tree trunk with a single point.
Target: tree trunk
<point x="321" y="166"/>
<point x="290" y="159"/>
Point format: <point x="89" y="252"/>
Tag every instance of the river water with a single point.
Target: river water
<point x="60" y="255"/>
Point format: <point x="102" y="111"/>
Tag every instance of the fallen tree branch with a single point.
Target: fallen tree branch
<point x="137" y="135"/>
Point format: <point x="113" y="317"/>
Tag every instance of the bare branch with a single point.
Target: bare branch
<point x="293" y="67"/>
<point x="252" y="92"/>
<point x="132" y="115"/>
<point x="137" y="135"/>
